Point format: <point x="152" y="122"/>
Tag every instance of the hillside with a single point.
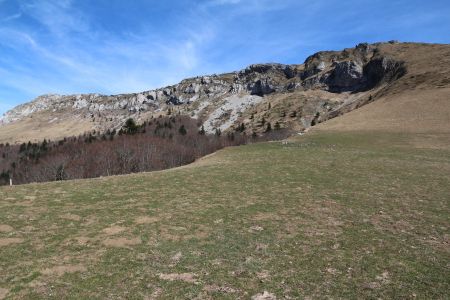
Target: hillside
<point x="419" y="102"/>
<point x="326" y="85"/>
<point x="357" y="208"/>
<point x="341" y="215"/>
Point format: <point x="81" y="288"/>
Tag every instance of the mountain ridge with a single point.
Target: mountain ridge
<point x="326" y="85"/>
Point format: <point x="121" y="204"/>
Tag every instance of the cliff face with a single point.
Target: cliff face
<point x="328" y="84"/>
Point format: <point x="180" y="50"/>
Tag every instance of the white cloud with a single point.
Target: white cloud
<point x="58" y="16"/>
<point x="134" y="62"/>
<point x="12" y="17"/>
<point x="105" y="62"/>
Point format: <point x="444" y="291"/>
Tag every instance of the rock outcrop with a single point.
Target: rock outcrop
<point x="226" y="100"/>
<point x="352" y="70"/>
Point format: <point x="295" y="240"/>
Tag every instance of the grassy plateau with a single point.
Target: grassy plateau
<point x="343" y="215"/>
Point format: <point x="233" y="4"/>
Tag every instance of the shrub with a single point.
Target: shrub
<point x="130" y="126"/>
<point x="182" y="130"/>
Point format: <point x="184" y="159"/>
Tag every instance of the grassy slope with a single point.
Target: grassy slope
<point x="39" y="128"/>
<point x="351" y="215"/>
<point x="413" y="111"/>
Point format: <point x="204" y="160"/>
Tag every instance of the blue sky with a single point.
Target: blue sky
<point x="118" y="46"/>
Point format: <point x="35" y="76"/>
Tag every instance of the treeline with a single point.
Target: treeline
<point x="158" y="144"/>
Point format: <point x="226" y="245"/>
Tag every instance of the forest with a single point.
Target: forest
<point x="157" y="144"/>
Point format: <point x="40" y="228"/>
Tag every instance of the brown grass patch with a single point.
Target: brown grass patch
<point x="121" y="242"/>
<point x="146" y="220"/>
<point x="26" y="203"/>
<point x="10" y="241"/>
<point x="3" y="293"/>
<point x="31" y="129"/>
<point x="417" y="111"/>
<point x="5" y="228"/>
<point x="114" y="230"/>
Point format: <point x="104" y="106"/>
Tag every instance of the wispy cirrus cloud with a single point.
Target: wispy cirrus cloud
<point x="59" y="17"/>
<point x="129" y="62"/>
<point x="11" y="17"/>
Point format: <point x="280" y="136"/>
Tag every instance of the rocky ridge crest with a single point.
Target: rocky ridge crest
<point x="328" y="84"/>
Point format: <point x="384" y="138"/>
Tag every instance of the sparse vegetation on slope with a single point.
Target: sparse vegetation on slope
<point x="342" y="215"/>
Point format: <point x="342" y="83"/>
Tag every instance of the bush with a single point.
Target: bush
<point x="130" y="126"/>
<point x="182" y="130"/>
